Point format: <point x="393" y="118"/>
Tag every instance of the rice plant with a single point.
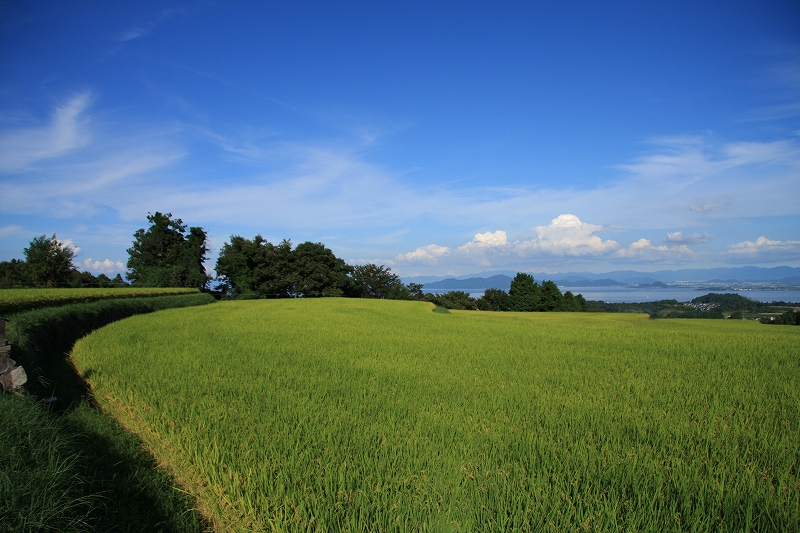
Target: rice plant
<point x="363" y="415"/>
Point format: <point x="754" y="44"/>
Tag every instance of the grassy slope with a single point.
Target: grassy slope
<point x="349" y="414"/>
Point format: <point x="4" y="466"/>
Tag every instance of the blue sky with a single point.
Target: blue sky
<point x="437" y="138"/>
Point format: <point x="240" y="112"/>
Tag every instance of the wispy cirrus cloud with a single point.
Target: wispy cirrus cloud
<point x="142" y="30"/>
<point x="327" y="186"/>
<point x="644" y="250"/>
<point x="678" y="237"/>
<point x="7" y="231"/>
<point x="65" y="132"/>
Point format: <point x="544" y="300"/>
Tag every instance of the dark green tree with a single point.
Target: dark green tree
<point x="495" y="300"/>
<point x="524" y="293"/>
<point x="165" y="255"/>
<point x="49" y="261"/>
<point x="415" y="291"/>
<point x="550" y="298"/>
<point x="318" y="272"/>
<point x="14" y="274"/>
<point x="459" y="300"/>
<point x="373" y="281"/>
<point x="570" y="303"/>
<point x="83" y="279"/>
<point x="790" y="318"/>
<point x="256" y="268"/>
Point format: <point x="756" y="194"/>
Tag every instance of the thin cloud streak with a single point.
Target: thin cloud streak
<point x="67" y="131"/>
<point x="683" y="181"/>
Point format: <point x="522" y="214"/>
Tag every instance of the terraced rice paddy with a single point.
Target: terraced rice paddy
<point x="359" y="415"/>
<point x="16" y="300"/>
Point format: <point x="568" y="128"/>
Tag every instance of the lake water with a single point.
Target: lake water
<point x="631" y="295"/>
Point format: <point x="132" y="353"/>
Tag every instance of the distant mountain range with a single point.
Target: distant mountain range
<point x="502" y="279"/>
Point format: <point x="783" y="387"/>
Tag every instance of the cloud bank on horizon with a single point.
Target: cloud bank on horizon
<point x="523" y="140"/>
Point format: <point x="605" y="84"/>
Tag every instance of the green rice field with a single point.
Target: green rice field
<point x="16" y="300"/>
<point x="368" y="415"/>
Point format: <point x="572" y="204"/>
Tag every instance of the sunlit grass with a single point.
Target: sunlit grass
<point x="16" y="300"/>
<point x="351" y="415"/>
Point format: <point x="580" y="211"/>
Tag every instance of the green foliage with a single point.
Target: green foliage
<point x="79" y="471"/>
<point x="575" y="303"/>
<point x="363" y="415"/>
<point x="654" y="309"/>
<point x="55" y="329"/>
<point x="692" y="313"/>
<point x="14" y="274"/>
<point x="163" y="256"/>
<point x="495" y="300"/>
<point x="49" y="261"/>
<point x="711" y="305"/>
<point x="41" y="487"/>
<point x="373" y="281"/>
<point x="728" y="302"/>
<point x="788" y="318"/>
<point x="550" y="298"/>
<point x="415" y="291"/>
<point x="458" y="300"/>
<point x="318" y="272"/>
<point x="18" y="300"/>
<point x="256" y="268"/>
<point x="525" y="293"/>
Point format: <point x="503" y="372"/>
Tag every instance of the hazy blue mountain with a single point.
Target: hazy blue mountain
<point x="499" y="281"/>
<point x="783" y="274"/>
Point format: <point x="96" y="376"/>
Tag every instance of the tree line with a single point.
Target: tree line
<point x="49" y="263"/>
<point x="525" y="294"/>
<point x="170" y="254"/>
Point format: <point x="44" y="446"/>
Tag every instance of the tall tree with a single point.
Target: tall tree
<point x="524" y="293"/>
<point x="373" y="281"/>
<point x="164" y="256"/>
<point x="49" y="261"/>
<point x="318" y="272"/>
<point x="550" y="298"/>
<point x="256" y="267"/>
<point x="569" y="303"/>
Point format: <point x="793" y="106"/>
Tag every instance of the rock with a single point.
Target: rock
<point x="6" y="364"/>
<point x="14" y="378"/>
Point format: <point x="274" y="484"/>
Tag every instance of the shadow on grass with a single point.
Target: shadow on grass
<point x="127" y="491"/>
<point x="134" y="494"/>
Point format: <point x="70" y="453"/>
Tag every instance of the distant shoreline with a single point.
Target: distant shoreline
<point x="637" y="294"/>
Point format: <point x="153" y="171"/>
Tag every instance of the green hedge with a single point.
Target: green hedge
<point x="55" y="329"/>
<point x="13" y="301"/>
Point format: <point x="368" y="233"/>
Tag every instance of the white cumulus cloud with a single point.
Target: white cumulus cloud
<point x="106" y="266"/>
<point x="767" y="249"/>
<point x="567" y="235"/>
<point x="486" y="240"/>
<point x="424" y="254"/>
